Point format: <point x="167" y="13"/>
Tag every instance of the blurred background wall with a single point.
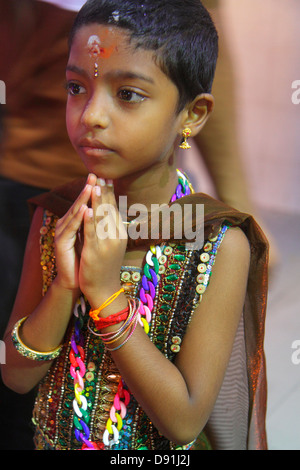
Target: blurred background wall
<point x="264" y="37"/>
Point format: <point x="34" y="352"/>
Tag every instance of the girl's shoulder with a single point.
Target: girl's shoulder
<point x="236" y="243"/>
<point x="234" y="253"/>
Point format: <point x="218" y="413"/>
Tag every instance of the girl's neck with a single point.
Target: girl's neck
<point x="155" y="186"/>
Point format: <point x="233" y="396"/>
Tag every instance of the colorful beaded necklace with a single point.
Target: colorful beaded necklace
<point x="146" y="298"/>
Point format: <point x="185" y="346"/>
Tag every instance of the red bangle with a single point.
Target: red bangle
<point x="94" y="314"/>
<point x="112" y="319"/>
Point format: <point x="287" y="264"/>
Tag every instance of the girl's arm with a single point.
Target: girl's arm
<point x="179" y="398"/>
<point x="48" y="316"/>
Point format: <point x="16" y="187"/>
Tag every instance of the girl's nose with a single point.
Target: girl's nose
<point x="96" y="113"/>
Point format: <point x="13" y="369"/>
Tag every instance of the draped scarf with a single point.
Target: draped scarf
<point x="216" y="213"/>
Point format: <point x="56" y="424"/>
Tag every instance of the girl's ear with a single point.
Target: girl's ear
<point x="197" y="112"/>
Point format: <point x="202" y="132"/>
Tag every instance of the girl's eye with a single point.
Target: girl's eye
<point x="130" y="96"/>
<point x="74" y="89"/>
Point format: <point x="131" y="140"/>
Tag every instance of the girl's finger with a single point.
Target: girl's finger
<point x="107" y="192"/>
<point x="92" y="179"/>
<point x="108" y="200"/>
<point x="96" y="198"/>
<point x="85" y="194"/>
<point x="89" y="226"/>
<point x="82" y="200"/>
<point x="70" y="229"/>
<point x="112" y="200"/>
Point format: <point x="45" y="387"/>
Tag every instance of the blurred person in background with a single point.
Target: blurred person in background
<point x="33" y="39"/>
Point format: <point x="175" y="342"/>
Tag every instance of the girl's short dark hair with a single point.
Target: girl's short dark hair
<point x="181" y="32"/>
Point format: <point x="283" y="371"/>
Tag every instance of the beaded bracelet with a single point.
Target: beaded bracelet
<point x="29" y="353"/>
<point x="94" y="314"/>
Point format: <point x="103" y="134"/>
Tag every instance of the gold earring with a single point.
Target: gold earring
<point x="186" y="133"/>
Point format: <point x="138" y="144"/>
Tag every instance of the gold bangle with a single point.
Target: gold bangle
<point x="27" y="352"/>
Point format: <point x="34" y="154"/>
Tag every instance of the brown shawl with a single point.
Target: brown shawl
<point x="251" y="329"/>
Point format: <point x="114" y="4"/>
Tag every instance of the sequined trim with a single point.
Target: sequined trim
<point x="47" y="233"/>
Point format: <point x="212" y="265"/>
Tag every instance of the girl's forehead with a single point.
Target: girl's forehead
<point x="100" y="40"/>
<point x="105" y="47"/>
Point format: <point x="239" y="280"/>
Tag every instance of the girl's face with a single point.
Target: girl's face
<point x="121" y="108"/>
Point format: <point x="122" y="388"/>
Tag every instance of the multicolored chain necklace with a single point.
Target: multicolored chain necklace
<point x="118" y="411"/>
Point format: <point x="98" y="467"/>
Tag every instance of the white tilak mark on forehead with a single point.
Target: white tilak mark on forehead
<point x="94" y="39"/>
<point x="93" y="45"/>
<point x="116" y="15"/>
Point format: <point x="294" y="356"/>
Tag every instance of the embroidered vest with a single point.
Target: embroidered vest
<point x="183" y="278"/>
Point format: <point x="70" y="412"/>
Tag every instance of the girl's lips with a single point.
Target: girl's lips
<point x="96" y="151"/>
<point x="93" y="144"/>
<point x="94" y="148"/>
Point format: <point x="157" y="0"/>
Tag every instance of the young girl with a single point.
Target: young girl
<point x="139" y="344"/>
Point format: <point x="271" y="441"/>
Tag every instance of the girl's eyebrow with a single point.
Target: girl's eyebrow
<point x="75" y="69"/>
<point x="128" y="74"/>
<point x="116" y="74"/>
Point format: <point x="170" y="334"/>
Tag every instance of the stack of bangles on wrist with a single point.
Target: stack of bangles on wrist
<point x="128" y="317"/>
<point x="28" y="352"/>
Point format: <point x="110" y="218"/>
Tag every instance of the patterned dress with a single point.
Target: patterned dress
<point x="183" y="277"/>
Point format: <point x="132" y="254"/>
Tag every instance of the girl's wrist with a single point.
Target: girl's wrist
<point x="59" y="285"/>
<point x="116" y="329"/>
<point x="108" y="302"/>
